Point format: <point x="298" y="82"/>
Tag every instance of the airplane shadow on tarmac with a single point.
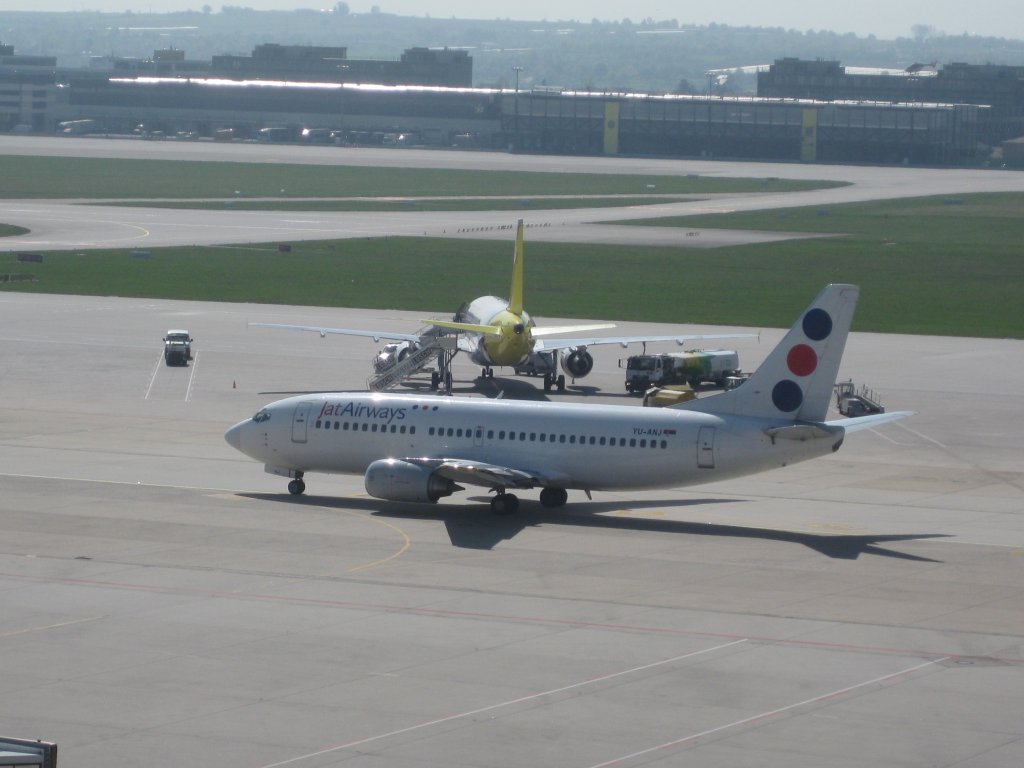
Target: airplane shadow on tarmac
<point x="477" y="528"/>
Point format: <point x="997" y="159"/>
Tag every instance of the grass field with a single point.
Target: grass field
<point x="92" y="178"/>
<point x="931" y="286"/>
<point x="930" y="266"/>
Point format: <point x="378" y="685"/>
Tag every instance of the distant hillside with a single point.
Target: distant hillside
<point x="649" y="56"/>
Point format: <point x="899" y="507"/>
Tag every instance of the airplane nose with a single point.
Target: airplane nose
<point x="234" y="436"/>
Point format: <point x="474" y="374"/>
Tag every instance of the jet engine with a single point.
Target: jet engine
<point x="397" y="480"/>
<point x="576" y="362"/>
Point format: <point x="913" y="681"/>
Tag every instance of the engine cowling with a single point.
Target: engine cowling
<point x="576" y="362"/>
<point x="397" y="480"/>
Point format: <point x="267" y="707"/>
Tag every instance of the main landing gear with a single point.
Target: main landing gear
<point x="550" y="380"/>
<point x="553" y="497"/>
<point x="505" y="503"/>
<point x="508" y="503"/>
<point x="297" y="486"/>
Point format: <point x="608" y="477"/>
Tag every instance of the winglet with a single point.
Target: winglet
<point x="515" y="294"/>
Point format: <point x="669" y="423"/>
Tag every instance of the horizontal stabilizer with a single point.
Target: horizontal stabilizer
<point x="865" y="422"/>
<point x="492" y="330"/>
<point x="804" y="432"/>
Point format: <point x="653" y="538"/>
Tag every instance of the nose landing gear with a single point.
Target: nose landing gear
<point x="297" y="486"/>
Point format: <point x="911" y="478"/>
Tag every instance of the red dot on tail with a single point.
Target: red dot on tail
<point x="802" y="360"/>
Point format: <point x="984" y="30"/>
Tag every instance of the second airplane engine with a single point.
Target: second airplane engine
<point x="576" y="362"/>
<point x="397" y="480"/>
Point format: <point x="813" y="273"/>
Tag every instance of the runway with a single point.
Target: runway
<point x="65" y="225"/>
<point x="165" y="602"/>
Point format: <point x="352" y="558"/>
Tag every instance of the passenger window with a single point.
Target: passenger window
<point x="602" y="441"/>
<point x="412" y="430"/>
<point x="632" y="442"/>
<point x="366" y="427"/>
<point x="643" y="443"/>
<point x="337" y="425"/>
<point x="402" y="429"/>
<point x="501" y="435"/>
<point x="561" y="438"/>
<point x="572" y="439"/>
<point x="664" y="444"/>
<point x="542" y="437"/>
<point x="533" y="436"/>
<point x="318" y="423"/>
<point x="490" y="434"/>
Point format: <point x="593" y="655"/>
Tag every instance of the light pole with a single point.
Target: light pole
<point x="517" y="69"/>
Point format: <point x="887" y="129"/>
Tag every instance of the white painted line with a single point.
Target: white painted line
<point x="923" y="437"/>
<point x="769" y="714"/>
<point x="152" y="379"/>
<point x="191" y="377"/>
<point x="492" y="707"/>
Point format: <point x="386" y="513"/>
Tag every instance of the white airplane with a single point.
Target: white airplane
<point x="498" y="332"/>
<point x="419" y="447"/>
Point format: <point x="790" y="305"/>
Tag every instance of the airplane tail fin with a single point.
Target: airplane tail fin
<point x="796" y="380"/>
<point x="515" y="294"/>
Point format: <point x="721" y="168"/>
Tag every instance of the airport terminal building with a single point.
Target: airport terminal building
<point x="297" y="93"/>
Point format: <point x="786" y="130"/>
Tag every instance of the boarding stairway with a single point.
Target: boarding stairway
<point x="434" y="344"/>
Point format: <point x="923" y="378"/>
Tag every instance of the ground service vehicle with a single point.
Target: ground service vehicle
<point x="692" y="367"/>
<point x="177" y="347"/>
<point x="852" y="401"/>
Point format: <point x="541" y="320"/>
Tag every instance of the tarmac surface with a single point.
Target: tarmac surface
<point x="164" y="602"/>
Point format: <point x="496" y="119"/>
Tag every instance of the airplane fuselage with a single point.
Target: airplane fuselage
<point x="515" y="343"/>
<point x="564" y="445"/>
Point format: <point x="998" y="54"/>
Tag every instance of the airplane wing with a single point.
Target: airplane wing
<point x="488" y="475"/>
<point x="547" y="345"/>
<point x="864" y="422"/>
<point x="375" y="335"/>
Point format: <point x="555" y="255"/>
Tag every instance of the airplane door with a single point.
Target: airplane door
<point x="300" y="422"/>
<point x="706" y="448"/>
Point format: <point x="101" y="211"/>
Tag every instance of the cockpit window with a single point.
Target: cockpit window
<point x="261" y="416"/>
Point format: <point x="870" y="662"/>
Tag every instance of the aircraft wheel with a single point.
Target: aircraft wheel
<point x="435" y="380"/>
<point x="447" y="381"/>
<point x="547" y="382"/>
<point x="296" y="487"/>
<point x="553" y="497"/>
<point x="561" y="383"/>
<point x="505" y="504"/>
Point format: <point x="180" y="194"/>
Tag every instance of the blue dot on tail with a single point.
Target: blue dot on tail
<point x="787" y="396"/>
<point x="817" y="324"/>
